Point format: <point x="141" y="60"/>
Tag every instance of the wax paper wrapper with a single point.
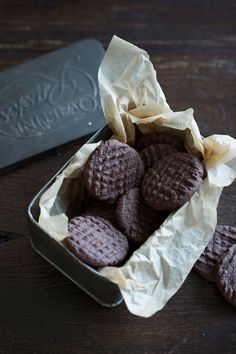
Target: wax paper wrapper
<point x="132" y="99"/>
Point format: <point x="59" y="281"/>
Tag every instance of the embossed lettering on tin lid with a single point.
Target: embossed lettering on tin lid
<point x="50" y="101"/>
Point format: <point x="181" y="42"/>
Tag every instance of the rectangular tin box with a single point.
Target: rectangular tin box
<point x="87" y="278"/>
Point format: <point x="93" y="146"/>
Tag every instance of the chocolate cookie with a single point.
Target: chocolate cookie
<point x="223" y="238"/>
<point x="95" y="241"/>
<point x="160" y="138"/>
<point x="155" y="152"/>
<point x="79" y="196"/>
<point x="172" y="181"/>
<point x="135" y="218"/>
<point x="102" y="210"/>
<point x="226" y="275"/>
<point x="112" y="169"/>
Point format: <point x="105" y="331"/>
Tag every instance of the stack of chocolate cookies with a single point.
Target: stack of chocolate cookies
<point x="124" y="194"/>
<point x="218" y="261"/>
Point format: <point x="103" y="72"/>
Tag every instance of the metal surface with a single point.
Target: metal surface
<point x="87" y="278"/>
<point x="49" y="101"/>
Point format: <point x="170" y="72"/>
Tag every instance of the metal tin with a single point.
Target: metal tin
<point x="87" y="278"/>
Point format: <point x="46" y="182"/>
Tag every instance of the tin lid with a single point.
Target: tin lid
<point x="49" y="101"/>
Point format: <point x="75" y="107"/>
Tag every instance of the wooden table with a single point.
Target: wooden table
<point x="193" y="46"/>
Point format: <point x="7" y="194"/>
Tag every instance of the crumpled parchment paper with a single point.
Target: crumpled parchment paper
<point x="131" y="95"/>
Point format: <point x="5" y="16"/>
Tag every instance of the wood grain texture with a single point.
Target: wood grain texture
<point x="193" y="46"/>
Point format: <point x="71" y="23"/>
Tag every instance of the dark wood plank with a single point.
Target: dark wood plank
<point x="193" y="46"/>
<point x="43" y="312"/>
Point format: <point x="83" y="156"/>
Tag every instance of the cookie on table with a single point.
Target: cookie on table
<point x="159" y="138"/>
<point x="135" y="218"/>
<point x="96" y="242"/>
<point x="172" y="181"/>
<point x="226" y="275"/>
<point x="111" y="170"/>
<point x="223" y="238"/>
<point x="155" y="152"/>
